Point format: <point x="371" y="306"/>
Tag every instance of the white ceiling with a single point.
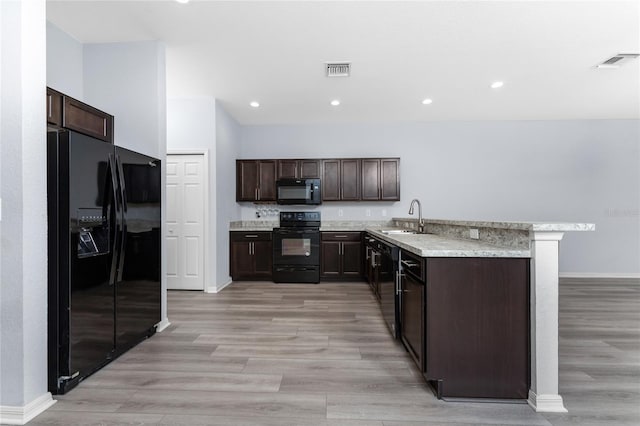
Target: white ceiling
<point x="402" y="52"/>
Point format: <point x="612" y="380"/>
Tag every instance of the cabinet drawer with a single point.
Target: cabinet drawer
<point x="250" y="236"/>
<point x="414" y="264"/>
<point x="341" y="236"/>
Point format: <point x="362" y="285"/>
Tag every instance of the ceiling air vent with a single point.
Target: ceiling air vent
<point x="338" y="69"/>
<point x="618" y="60"/>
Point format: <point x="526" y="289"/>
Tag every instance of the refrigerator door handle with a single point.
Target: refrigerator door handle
<point x="123" y="234"/>
<point x="114" y="220"/>
<point x="123" y="187"/>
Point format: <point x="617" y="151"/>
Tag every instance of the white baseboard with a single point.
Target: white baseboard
<point x="217" y="289"/>
<point x="162" y="325"/>
<point x="599" y="275"/>
<point x="12" y="415"/>
<point x="546" y="403"/>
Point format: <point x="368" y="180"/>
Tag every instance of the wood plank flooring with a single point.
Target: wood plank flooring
<point x="309" y="355"/>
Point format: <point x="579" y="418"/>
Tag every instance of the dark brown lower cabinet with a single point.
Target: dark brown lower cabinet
<point x="251" y="255"/>
<point x="477" y="327"/>
<point x="341" y="256"/>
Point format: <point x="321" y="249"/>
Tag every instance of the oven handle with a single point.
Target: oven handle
<point x="297" y="231"/>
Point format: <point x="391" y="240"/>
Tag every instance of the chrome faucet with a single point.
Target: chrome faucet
<point x="420" y="221"/>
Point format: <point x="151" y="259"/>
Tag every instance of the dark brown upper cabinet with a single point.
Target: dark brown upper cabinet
<point x="381" y="179"/>
<point x="255" y="180"/>
<point x="54" y="107"/>
<point x="66" y="112"/>
<point x="341" y="179"/>
<point x="298" y="169"/>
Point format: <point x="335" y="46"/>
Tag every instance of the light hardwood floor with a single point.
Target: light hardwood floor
<point x="295" y="354"/>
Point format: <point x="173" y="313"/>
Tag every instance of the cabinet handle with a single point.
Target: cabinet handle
<point x="249" y="249"/>
<point x="258" y="193"/>
<point x="251" y="236"/>
<point x="49" y="105"/>
<point x="399" y="277"/>
<point x="104" y="127"/>
<point x="340" y="236"/>
<point x="409" y="264"/>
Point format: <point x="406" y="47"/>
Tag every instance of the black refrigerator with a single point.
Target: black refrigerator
<point x="104" y="254"/>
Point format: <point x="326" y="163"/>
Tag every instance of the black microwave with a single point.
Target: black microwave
<point x="298" y="191"/>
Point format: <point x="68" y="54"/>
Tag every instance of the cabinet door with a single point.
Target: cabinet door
<point x="350" y="179"/>
<point x="262" y="254"/>
<point x="352" y="259"/>
<point x="390" y="179"/>
<point x="241" y="260"/>
<point x="246" y="180"/>
<point x="309" y="168"/>
<point x="413" y="318"/>
<point x="483" y="302"/>
<point x="288" y="169"/>
<point x="330" y="259"/>
<point x="54" y="107"/>
<point x="267" y="180"/>
<point x="370" y="179"/>
<point x="330" y="180"/>
<point x="88" y="120"/>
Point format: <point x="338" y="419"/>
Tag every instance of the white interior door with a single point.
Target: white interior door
<point x="185" y="222"/>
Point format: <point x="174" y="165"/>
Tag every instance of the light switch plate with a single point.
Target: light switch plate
<point x="474" y="234"/>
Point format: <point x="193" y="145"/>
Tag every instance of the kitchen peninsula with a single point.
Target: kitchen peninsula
<point x="508" y="240"/>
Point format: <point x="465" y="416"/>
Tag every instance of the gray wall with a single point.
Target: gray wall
<point x="191" y="125"/>
<point x="203" y="124"/>
<point x="128" y="81"/>
<point x="576" y="171"/>
<point x="64" y="62"/>
<point x="228" y="136"/>
<point x="23" y="229"/>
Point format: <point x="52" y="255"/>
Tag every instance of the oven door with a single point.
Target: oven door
<point x="296" y="247"/>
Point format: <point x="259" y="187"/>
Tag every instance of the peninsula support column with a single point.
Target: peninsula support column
<point x="543" y="395"/>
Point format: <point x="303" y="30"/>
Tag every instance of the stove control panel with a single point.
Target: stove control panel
<point x="299" y="216"/>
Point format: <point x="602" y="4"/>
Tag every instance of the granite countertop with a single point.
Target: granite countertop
<point x="352" y="225"/>
<point x="253" y="225"/>
<point x="429" y="245"/>
<point x="326" y="225"/>
<point x="526" y="226"/>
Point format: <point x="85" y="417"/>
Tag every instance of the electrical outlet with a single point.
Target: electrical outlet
<point x="384" y="212"/>
<point x="340" y="212"/>
<point x="368" y="212"/>
<point x="474" y="234"/>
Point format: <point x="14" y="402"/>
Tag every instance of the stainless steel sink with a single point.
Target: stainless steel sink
<point x="397" y="231"/>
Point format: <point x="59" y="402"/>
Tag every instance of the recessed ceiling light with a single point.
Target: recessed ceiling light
<point x="335" y="102"/>
<point x="497" y="84"/>
<point x="427" y="101"/>
<point x="254" y="104"/>
<point x="183" y="1"/>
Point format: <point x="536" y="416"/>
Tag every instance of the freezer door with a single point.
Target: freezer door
<point x="81" y="249"/>
<point x="138" y="277"/>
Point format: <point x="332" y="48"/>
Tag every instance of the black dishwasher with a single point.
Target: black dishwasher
<point x="385" y="258"/>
